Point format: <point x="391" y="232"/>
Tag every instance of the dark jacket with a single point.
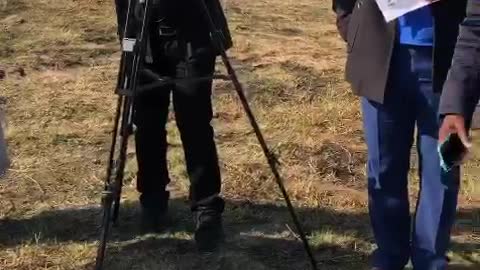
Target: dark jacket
<point x="370" y="41"/>
<point x="186" y="16"/>
<point x="461" y="91"/>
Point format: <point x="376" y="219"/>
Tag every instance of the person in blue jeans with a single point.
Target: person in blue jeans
<point x="389" y="130"/>
<point x="398" y="70"/>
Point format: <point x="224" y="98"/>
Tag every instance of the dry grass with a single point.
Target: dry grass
<point x="290" y="60"/>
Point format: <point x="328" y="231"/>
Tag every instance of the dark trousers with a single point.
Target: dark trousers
<point x="389" y="128"/>
<point x="193" y="113"/>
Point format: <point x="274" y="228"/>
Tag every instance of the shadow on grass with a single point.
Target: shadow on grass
<point x="248" y="252"/>
<point x="79" y="224"/>
<point x="259" y="237"/>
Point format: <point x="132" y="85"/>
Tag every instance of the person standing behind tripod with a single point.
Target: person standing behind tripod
<point x="181" y="48"/>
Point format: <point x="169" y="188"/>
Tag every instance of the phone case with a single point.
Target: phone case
<point x="457" y="159"/>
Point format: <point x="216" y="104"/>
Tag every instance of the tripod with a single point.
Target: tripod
<point x="134" y="47"/>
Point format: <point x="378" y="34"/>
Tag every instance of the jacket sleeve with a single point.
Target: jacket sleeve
<point x="343" y="10"/>
<point x="461" y="90"/>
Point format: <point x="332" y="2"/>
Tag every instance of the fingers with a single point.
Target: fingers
<point x="448" y="126"/>
<point x="454" y="124"/>
<point x="443" y="134"/>
<point x="462" y="134"/>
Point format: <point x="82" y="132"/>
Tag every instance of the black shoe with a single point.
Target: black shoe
<point x="154" y="209"/>
<point x="209" y="234"/>
<point x="153" y="221"/>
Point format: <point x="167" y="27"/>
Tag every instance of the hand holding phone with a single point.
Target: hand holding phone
<point x="452" y="152"/>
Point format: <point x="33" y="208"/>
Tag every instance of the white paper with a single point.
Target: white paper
<point x="392" y="9"/>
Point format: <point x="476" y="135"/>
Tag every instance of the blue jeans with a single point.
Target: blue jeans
<point x="389" y="130"/>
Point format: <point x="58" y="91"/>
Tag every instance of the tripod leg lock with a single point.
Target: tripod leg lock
<point x="128" y="44"/>
<point x="272" y="158"/>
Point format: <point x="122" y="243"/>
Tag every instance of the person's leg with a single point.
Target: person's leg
<point x="151" y="111"/>
<point x="150" y="118"/>
<point x="193" y="110"/>
<point x="437" y="202"/>
<point x="389" y="130"/>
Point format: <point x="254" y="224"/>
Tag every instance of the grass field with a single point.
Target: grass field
<point x="60" y="59"/>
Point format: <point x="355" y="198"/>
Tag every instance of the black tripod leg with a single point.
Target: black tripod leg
<point x="105" y="230"/>
<point x="108" y="193"/>
<point x="217" y="41"/>
<point x="133" y="55"/>
<point x="122" y="159"/>
<point x="271" y="160"/>
<point x="112" y="194"/>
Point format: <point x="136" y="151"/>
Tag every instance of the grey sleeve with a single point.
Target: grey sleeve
<point x="461" y="90"/>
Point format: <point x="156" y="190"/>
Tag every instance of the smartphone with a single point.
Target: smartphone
<point x="452" y="152"/>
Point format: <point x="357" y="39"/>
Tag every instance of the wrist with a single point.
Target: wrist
<point x="454" y="115"/>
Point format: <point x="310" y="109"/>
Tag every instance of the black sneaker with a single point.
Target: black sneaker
<point x="154" y="208"/>
<point x="209" y="234"/>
